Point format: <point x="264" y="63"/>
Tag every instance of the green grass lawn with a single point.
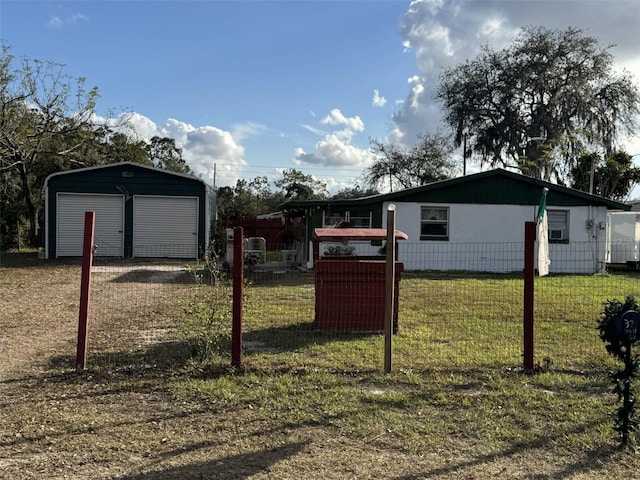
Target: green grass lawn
<point x="457" y="384"/>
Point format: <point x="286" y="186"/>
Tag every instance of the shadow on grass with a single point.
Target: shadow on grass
<point x="285" y="278"/>
<point x="232" y="467"/>
<point x="295" y="337"/>
<point x="157" y="360"/>
<point x="585" y="463"/>
<point x="156" y="275"/>
<point x="30" y="259"/>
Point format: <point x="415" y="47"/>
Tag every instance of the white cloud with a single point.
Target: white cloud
<point x="242" y="131"/>
<point x="57" y="22"/>
<point x="335" y="152"/>
<point x="378" y="100"/>
<point x="202" y="147"/>
<point x="142" y="126"/>
<point x="336" y="117"/>
<point x="314" y="130"/>
<point x="54" y="22"/>
<point x="336" y="149"/>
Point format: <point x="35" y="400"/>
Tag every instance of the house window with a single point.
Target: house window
<point x="558" y="225"/>
<point x="353" y="218"/>
<point x="434" y="223"/>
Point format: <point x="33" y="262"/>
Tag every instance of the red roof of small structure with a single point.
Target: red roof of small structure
<point x="344" y="234"/>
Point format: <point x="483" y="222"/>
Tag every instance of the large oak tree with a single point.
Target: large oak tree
<point x="540" y="103"/>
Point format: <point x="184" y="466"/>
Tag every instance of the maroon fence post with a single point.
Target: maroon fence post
<point x="529" y="274"/>
<point x="238" y="284"/>
<point x="390" y="282"/>
<point x="85" y="291"/>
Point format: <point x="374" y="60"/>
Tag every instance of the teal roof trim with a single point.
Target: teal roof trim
<point x="119" y="165"/>
<point x="497" y="186"/>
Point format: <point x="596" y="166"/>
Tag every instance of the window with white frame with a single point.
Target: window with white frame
<point x="354" y="218"/>
<point x="558" y="225"/>
<point x="434" y="223"/>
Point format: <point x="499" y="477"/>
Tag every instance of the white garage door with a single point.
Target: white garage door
<point x="109" y="224"/>
<point x="165" y="226"/>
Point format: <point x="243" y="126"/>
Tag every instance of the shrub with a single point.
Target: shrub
<point x="619" y="345"/>
<point x="206" y="324"/>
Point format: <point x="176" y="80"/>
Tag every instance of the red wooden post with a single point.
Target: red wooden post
<point x="238" y="284"/>
<point x="390" y="286"/>
<point x="85" y="291"/>
<point x="529" y="274"/>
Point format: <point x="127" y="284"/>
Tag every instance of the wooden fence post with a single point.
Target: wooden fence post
<point x="85" y="291"/>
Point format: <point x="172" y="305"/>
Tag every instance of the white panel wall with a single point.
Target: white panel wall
<point x="491" y="238"/>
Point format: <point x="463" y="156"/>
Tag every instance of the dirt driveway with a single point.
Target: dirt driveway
<point x="57" y="424"/>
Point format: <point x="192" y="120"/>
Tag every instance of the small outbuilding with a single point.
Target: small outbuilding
<point x="140" y="211"/>
<point x="351" y="290"/>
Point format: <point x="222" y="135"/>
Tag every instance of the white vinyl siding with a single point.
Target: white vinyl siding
<point x="109" y="224"/>
<point x="165" y="226"/>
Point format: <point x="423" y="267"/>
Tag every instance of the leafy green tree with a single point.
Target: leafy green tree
<point x="613" y="177"/>
<point x="354" y="192"/>
<point x="405" y="167"/>
<point x="248" y="198"/>
<point x="539" y="103"/>
<point x="45" y="118"/>
<point x="162" y="152"/>
<point x="299" y="186"/>
<point x="120" y="147"/>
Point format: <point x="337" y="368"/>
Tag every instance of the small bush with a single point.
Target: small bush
<point x="621" y="348"/>
<point x="206" y="324"/>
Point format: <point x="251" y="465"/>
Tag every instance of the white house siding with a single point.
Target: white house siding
<point x="491" y="238"/>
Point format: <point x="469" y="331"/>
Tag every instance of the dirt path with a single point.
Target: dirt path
<point x="38" y="317"/>
<point x="56" y="424"/>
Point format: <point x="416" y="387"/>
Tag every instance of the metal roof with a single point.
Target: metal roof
<point x="345" y="234"/>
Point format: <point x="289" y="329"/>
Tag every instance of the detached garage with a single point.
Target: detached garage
<point x="140" y="212"/>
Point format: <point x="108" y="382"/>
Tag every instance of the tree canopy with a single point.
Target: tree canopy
<point x="540" y="103"/>
<point x="613" y="177"/>
<point x="300" y="186"/>
<point x="47" y="126"/>
<point x="249" y="198"/>
<point x="404" y="167"/>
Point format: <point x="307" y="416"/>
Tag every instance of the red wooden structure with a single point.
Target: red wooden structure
<point x="350" y="290"/>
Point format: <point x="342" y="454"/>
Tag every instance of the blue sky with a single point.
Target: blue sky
<point x="257" y="86"/>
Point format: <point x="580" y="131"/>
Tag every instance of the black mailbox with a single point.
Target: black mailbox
<point x="627" y="327"/>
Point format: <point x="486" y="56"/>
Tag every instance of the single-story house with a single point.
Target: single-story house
<point x="476" y="222"/>
<point x="140" y="211"/>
